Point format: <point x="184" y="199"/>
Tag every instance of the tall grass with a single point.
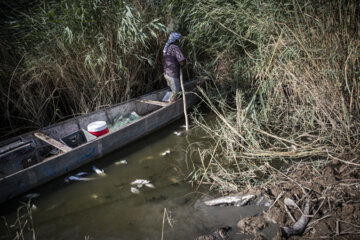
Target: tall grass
<point x="283" y="76"/>
<point x="287" y="82"/>
<point x="77" y="56"/>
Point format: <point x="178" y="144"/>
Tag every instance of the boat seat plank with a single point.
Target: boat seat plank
<point x="158" y="103"/>
<point x="52" y="142"/>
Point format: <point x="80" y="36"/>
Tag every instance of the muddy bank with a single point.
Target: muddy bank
<point x="310" y="200"/>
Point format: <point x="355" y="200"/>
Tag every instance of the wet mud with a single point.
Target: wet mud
<point x="307" y="202"/>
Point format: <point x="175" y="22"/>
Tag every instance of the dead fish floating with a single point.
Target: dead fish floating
<point x="99" y="172"/>
<point x="149" y="185"/>
<point x="167" y="152"/>
<point x="219" y="234"/>
<point x="299" y="227"/>
<point x="80" y="174"/>
<point x="121" y="162"/>
<point x="140" y="182"/>
<point x="134" y="190"/>
<point x="236" y="200"/>
<point x="177" y="133"/>
<point x="75" y="178"/>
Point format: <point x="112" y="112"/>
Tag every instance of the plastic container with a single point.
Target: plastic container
<point x="98" y="128"/>
<point x="167" y="96"/>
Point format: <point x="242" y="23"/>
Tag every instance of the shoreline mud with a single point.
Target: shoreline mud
<point x="308" y="201"/>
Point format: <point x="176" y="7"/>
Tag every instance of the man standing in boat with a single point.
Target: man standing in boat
<point x="173" y="60"/>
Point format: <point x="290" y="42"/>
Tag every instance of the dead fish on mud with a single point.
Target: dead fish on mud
<point x="299" y="227"/>
<point x="98" y="171"/>
<point x="121" y="162"/>
<point x="236" y="200"/>
<point x="219" y="234"/>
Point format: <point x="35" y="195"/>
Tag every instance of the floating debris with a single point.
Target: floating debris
<point x="174" y="180"/>
<point x="121" y="162"/>
<point x="134" y="190"/>
<point x="183" y="126"/>
<point x="33" y="207"/>
<point x="32" y="195"/>
<point x="94" y="196"/>
<point x="98" y="171"/>
<point x="167" y="152"/>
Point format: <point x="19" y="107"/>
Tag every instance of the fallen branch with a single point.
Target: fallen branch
<point x="347" y="162"/>
<point x="277" y="199"/>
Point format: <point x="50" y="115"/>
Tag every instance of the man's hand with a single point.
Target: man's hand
<point x="182" y="63"/>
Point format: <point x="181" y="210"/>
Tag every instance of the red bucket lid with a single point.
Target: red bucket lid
<point x="97" y="126"/>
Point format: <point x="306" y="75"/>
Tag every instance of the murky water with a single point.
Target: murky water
<point x="105" y="208"/>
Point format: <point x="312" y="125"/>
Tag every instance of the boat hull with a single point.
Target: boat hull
<point x="24" y="180"/>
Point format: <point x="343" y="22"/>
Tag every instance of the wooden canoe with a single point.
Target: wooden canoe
<point x="35" y="158"/>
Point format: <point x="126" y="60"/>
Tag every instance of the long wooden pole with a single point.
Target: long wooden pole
<point x="184" y="100"/>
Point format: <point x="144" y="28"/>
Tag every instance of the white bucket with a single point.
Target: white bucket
<point x="98" y="128"/>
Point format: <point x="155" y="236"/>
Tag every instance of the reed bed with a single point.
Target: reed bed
<point x="282" y="76"/>
<point x="64" y="58"/>
<point x="284" y="82"/>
